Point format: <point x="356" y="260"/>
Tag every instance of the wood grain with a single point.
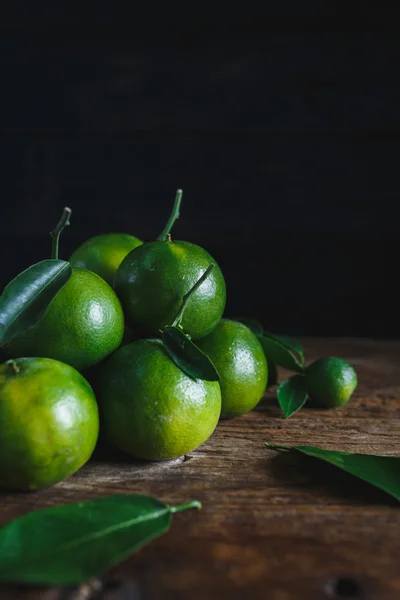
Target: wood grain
<point x="273" y="526"/>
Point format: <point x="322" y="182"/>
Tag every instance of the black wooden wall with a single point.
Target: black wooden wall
<point x="284" y="136"/>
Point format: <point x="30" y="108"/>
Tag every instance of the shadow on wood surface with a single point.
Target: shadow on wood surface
<point x="321" y="477"/>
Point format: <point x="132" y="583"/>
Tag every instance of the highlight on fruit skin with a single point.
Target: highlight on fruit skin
<point x="103" y="254"/>
<point x="49" y="423"/>
<point x="149" y="408"/>
<point x="240" y="361"/>
<point x="330" y="382"/>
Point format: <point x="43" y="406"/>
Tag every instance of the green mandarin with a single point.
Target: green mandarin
<point x="149" y="408"/>
<point x="49" y="423"/>
<point x="240" y="361"/>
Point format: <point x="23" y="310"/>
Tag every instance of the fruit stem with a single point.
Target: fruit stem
<point x="188" y="505"/>
<point x="185" y="299"/>
<point x="166" y="236"/>
<point x="55" y="234"/>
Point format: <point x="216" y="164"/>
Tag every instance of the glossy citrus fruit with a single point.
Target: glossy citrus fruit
<point x="152" y="280"/>
<point x="49" y="422"/>
<point x="83" y="324"/>
<point x="240" y="361"/>
<point x="150" y="409"/>
<point x="330" y="381"/>
<point x="103" y="254"/>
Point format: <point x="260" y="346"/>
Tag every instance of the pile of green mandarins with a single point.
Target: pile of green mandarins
<point x="134" y="344"/>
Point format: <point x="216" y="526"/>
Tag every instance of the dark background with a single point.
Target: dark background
<point x="283" y="133"/>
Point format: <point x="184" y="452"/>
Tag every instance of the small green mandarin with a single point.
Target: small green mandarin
<point x="330" y="381"/>
<point x="152" y="280"/>
<point x="103" y="254"/>
<point x="240" y="361"/>
<point x="49" y="423"/>
<point x="83" y="324"/>
<point x="151" y="409"/>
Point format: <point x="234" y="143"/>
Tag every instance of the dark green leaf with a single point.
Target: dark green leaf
<point x="252" y="324"/>
<point x="187" y="356"/>
<point x="279" y="354"/>
<point x="381" y="471"/>
<point x="71" y="543"/>
<point x="272" y="374"/>
<point x="292" y="394"/>
<point x="290" y="343"/>
<point x="26" y="297"/>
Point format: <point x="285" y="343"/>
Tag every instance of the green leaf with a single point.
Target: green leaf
<point x="71" y="543"/>
<point x="280" y="354"/>
<point x="252" y="324"/>
<point x="381" y="471"/>
<point x="290" y="343"/>
<point x="292" y="394"/>
<point x="187" y="356"/>
<point x="26" y="297"/>
<point x="293" y="346"/>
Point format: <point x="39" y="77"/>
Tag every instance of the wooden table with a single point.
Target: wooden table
<point x="274" y="526"/>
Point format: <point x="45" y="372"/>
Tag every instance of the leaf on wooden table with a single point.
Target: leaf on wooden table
<point x="25" y="298"/>
<point x="71" y="543"/>
<point x="381" y="471"/>
<point x="292" y="394"/>
<point x="187" y="356"/>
